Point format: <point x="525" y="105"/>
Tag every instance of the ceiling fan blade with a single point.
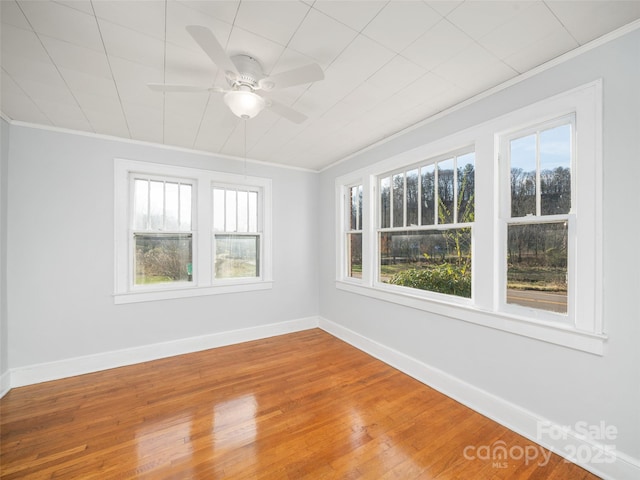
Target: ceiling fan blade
<point x="286" y="112"/>
<point x="307" y="74"/>
<point x="169" y="87"/>
<point x="212" y="47"/>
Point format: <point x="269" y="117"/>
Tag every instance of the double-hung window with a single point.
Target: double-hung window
<point x="184" y="232"/>
<point x="237" y="232"/>
<point x="162" y="230"/>
<point x="426" y="213"/>
<point x="538" y="217"/>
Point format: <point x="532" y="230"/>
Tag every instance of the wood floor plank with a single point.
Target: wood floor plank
<point x="297" y="406"/>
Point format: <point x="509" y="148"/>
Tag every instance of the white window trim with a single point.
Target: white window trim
<point x="203" y="282"/>
<point x="484" y="308"/>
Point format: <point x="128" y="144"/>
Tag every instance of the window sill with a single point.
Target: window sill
<point x="185" y="292"/>
<point x="547" y="332"/>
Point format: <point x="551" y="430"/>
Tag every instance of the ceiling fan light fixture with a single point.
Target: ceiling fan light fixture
<point x="244" y="103"/>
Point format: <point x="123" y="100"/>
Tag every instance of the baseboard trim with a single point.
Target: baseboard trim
<point x="5" y="383"/>
<point x="597" y="458"/>
<point x="70" y="367"/>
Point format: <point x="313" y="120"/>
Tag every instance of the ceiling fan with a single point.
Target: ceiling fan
<point x="246" y="80"/>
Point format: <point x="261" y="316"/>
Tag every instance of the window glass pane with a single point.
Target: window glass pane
<point x="537" y="266"/>
<point x="236" y="256"/>
<point x="523" y="176"/>
<point x="353" y="217"/>
<point x="555" y="170"/>
<point x="230" y="211"/>
<point x="385" y="202"/>
<point x="140" y="204"/>
<point x="354" y="256"/>
<point x="171" y="206"/>
<point x="253" y="211"/>
<point x="243" y="211"/>
<point x="156" y="207"/>
<point x="466" y="187"/>
<point x="398" y="200"/>
<point x="162" y="258"/>
<point x="428" y="195"/>
<point x="446" y="191"/>
<point x="359" y="207"/>
<point x="218" y="209"/>
<point x="185" y="207"/>
<point x="434" y="260"/>
<point x="412" y="197"/>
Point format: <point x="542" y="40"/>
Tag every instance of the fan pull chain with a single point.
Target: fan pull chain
<point x="244" y="168"/>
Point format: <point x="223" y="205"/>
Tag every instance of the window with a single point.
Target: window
<point x="538" y="217"/>
<point x="162" y="236"/>
<point x="185" y="232"/>
<point x="237" y="235"/>
<point x="354" y="232"/>
<point x="505" y="234"/>
<point x="426" y="217"/>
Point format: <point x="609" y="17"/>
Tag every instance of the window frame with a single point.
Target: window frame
<point x="585" y="331"/>
<point x="203" y="278"/>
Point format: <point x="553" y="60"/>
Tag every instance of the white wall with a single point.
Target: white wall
<point x="563" y="385"/>
<point x="61" y="252"/>
<point x="4" y="178"/>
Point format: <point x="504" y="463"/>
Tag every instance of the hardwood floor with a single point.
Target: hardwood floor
<point x="304" y="405"/>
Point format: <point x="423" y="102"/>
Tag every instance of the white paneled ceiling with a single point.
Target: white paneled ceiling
<point x="84" y="65"/>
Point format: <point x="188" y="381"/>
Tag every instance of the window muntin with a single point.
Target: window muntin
<point x="354" y="232"/>
<point x="538" y="226"/>
<point x="540" y="168"/>
<point x="161" y="204"/>
<point x="413" y="249"/>
<point x="161" y="230"/>
<point x="237" y="233"/>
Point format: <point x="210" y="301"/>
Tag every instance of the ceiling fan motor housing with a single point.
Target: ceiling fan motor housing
<point x="249" y="69"/>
